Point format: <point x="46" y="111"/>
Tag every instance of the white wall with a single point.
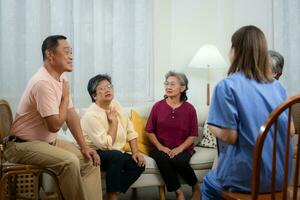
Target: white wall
<point x="256" y="12"/>
<point x="182" y="26"/>
<point x="162" y="43"/>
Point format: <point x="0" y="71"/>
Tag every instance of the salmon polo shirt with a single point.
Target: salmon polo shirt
<point x="41" y="98"/>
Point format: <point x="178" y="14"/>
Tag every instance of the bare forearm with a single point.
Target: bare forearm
<point x="226" y="135"/>
<point x="188" y="142"/>
<point x="154" y="140"/>
<point x="133" y="146"/>
<point x="55" y="122"/>
<point x="73" y="123"/>
<point x="63" y="110"/>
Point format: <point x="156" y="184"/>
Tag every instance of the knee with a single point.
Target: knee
<point x="72" y="162"/>
<point x="116" y="155"/>
<point x="204" y="184"/>
<point x="205" y="192"/>
<point x="159" y="156"/>
<point x="141" y="169"/>
<point x="210" y="188"/>
<point x="180" y="163"/>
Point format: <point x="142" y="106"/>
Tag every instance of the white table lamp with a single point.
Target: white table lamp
<point x="208" y="56"/>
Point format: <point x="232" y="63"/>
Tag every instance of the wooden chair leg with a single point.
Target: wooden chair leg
<point x="162" y="192"/>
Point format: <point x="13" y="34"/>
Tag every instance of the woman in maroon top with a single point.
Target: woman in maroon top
<point x="172" y="128"/>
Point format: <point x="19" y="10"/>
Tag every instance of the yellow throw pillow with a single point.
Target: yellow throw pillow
<point x="143" y="143"/>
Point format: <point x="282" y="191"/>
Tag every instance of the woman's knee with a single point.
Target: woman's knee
<point x="159" y="156"/>
<point x="140" y="169"/>
<point x="116" y="155"/>
<point x="179" y="163"/>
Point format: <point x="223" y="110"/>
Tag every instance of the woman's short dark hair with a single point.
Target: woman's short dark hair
<point x="51" y="42"/>
<point x="183" y="82"/>
<point x="93" y="83"/>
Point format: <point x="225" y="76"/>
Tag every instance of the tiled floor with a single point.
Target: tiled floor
<point x="152" y="193"/>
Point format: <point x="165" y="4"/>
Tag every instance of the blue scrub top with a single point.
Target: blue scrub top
<point x="242" y="104"/>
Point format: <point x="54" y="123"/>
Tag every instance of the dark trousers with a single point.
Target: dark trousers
<point x="170" y="167"/>
<point x="121" y="170"/>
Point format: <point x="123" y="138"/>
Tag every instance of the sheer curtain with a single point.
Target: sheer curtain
<point x="286" y="30"/>
<point x="113" y="37"/>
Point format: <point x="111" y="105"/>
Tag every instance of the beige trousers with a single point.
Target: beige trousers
<point x="78" y="178"/>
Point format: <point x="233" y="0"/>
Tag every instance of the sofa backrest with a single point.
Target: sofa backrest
<point x="142" y="110"/>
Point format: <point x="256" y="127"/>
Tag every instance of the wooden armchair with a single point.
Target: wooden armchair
<point x="296" y="117"/>
<point x="288" y="191"/>
<point x="20" y="181"/>
<point x="296" y="120"/>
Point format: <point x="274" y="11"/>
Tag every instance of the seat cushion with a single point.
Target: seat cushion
<point x="202" y="159"/>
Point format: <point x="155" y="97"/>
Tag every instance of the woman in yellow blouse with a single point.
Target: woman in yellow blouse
<point x="107" y="128"/>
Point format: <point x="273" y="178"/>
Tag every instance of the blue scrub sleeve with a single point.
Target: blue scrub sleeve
<point x="223" y="111"/>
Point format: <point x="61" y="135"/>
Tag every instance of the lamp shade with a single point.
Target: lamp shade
<point x="208" y="56"/>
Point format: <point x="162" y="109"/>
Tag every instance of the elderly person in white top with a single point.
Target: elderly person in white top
<point x="107" y="128"/>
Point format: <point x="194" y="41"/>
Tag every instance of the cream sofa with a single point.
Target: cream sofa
<point x="202" y="161"/>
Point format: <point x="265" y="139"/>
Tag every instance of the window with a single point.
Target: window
<point x="113" y="37"/>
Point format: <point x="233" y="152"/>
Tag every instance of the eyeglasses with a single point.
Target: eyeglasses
<point x="171" y="84"/>
<point x="105" y="88"/>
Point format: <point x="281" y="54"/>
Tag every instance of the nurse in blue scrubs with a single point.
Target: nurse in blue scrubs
<point x="240" y="105"/>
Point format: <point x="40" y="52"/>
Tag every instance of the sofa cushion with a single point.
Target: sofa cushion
<point x="208" y="140"/>
<point x="151" y="167"/>
<point x="203" y="158"/>
<point x="143" y="143"/>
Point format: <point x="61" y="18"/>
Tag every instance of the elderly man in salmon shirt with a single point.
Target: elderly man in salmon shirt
<point x="44" y="107"/>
